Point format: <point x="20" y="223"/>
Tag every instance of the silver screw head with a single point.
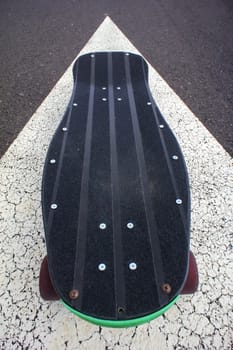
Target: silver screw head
<point x="64" y="129"/>
<point x="118" y="87"/>
<point x="53" y="206"/>
<point x="127" y="54"/>
<point x="148" y="103"/>
<point x="130" y="225"/>
<point x="75" y="104"/>
<point x="52" y="161"/>
<point x="119" y="99"/>
<point x="102" y="226"/>
<point x="104" y="88"/>
<point x="178" y="201"/>
<point x="132" y="266"/>
<point x="104" y="99"/>
<point x="161" y="126"/>
<point x="102" y="267"/>
<point x="92" y="55"/>
<point x="175" y="157"/>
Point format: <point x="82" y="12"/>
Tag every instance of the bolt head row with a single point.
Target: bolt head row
<point x="132" y="266"/>
<point x="103" y="226"/>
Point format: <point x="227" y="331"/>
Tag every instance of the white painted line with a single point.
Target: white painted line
<point x="201" y="321"/>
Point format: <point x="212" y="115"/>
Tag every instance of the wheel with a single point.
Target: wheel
<point x="47" y="291"/>
<point x="191" y="282"/>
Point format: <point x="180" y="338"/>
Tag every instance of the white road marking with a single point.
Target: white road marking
<point x="201" y="321"/>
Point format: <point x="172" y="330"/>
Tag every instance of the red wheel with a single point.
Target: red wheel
<point x="191" y="282"/>
<point x="47" y="291"/>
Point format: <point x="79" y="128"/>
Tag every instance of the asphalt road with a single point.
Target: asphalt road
<point x="190" y="43"/>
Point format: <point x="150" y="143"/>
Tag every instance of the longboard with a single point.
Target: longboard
<point x="115" y="199"/>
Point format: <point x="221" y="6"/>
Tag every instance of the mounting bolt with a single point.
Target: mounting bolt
<point x="148" y="103"/>
<point x="132" y="266"/>
<point x="102" y="267"/>
<point x="73" y="294"/>
<point x="130" y="225"/>
<point x="161" y="126"/>
<point x="175" y="157"/>
<point x="64" y="129"/>
<point x="166" y="288"/>
<point x="53" y="206"/>
<point x="75" y="104"/>
<point x="52" y="161"/>
<point x="102" y="226"/>
<point x="178" y="201"/>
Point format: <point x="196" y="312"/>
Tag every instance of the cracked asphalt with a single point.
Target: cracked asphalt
<point x="189" y="43"/>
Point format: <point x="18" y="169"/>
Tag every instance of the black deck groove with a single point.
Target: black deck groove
<point x="116" y="213"/>
<point x="167" y="156"/>
<point x="151" y="223"/>
<point x="61" y="156"/>
<point x="83" y="207"/>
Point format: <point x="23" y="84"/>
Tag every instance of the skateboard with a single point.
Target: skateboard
<point x="115" y="199"/>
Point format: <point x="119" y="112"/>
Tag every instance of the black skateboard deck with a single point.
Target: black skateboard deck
<point x="115" y="197"/>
